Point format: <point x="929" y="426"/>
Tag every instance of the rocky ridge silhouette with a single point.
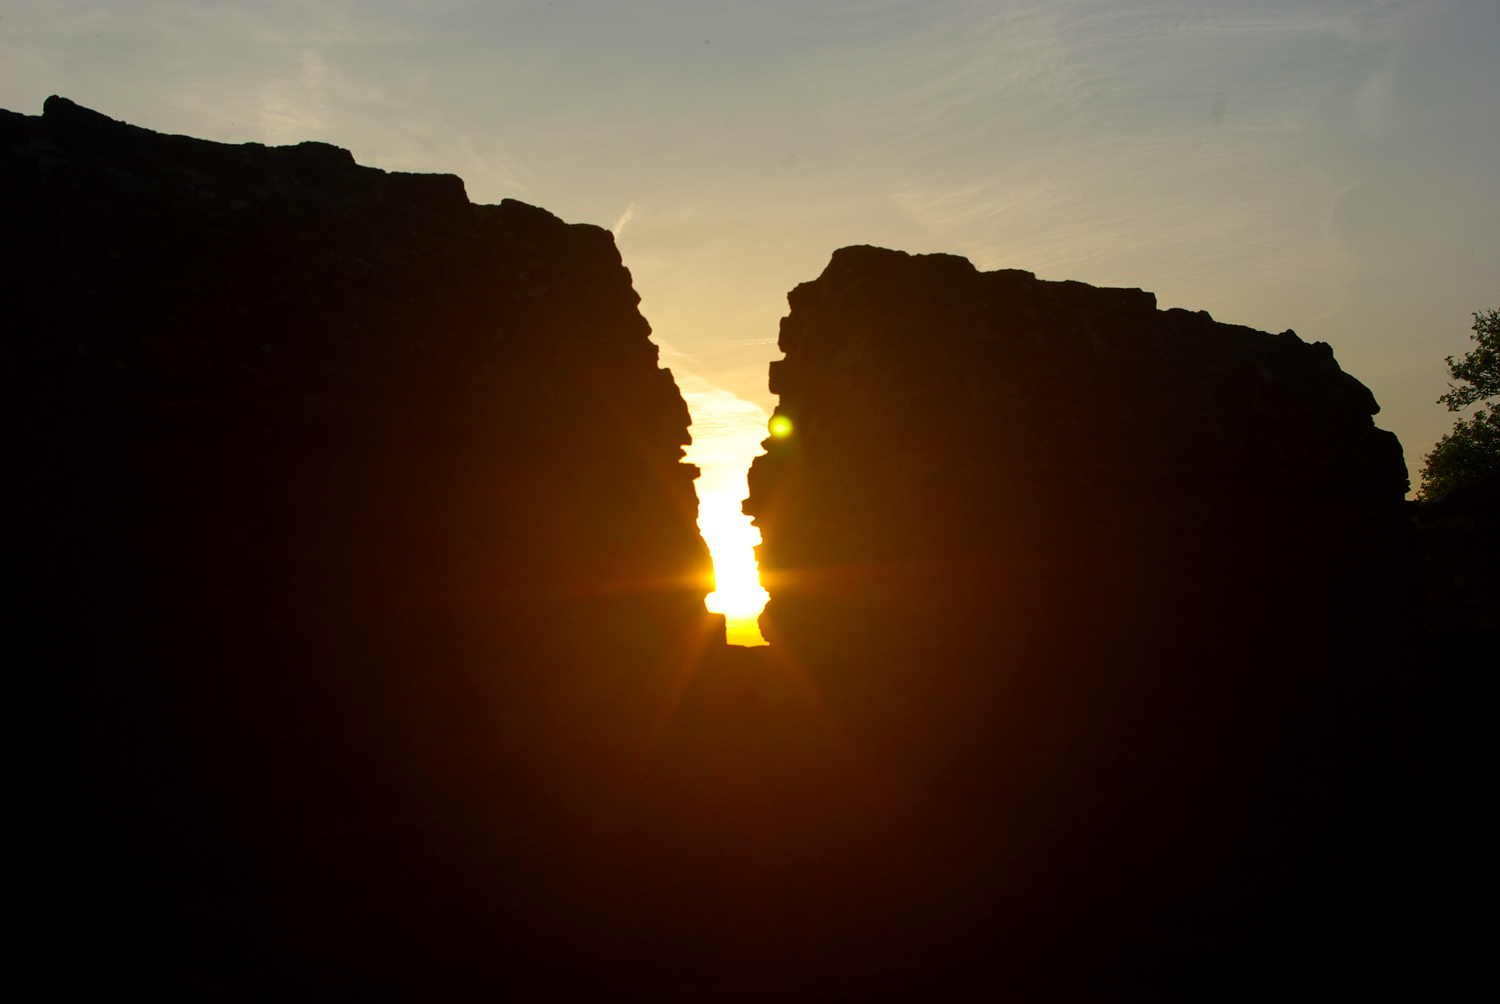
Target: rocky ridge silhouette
<point x="1125" y="603"/>
<point x="352" y="551"/>
<point x="358" y="636"/>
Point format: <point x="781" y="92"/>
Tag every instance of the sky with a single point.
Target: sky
<point x="1331" y="166"/>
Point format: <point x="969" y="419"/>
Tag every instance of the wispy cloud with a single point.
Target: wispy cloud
<point x="619" y="225"/>
<point x="727" y="432"/>
<point x="292" y="107"/>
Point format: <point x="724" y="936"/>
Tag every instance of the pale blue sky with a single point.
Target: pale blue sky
<point x="1325" y="166"/>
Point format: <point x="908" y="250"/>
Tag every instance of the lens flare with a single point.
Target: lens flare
<point x="781" y="426"/>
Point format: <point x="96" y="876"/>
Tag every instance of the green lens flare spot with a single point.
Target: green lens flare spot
<point x="781" y="426"/>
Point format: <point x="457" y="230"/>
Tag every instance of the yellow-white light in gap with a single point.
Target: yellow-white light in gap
<point x="727" y="431"/>
<point x="738" y="594"/>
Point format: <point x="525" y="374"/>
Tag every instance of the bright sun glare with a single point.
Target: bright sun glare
<point x="727" y="431"/>
<point x="731" y="538"/>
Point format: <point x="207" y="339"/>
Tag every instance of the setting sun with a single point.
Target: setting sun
<point x="731" y="538"/>
<point x="727" y="431"/>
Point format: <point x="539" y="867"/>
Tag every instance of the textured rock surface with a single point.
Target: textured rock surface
<point x="353" y="557"/>
<point x="1119" y="601"/>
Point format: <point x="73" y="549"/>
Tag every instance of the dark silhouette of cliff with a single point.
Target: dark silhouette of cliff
<point x="351" y="556"/>
<point x="1122" y="605"/>
<point x="356" y="637"/>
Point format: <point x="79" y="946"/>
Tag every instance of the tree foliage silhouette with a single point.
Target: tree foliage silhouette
<point x="1472" y="450"/>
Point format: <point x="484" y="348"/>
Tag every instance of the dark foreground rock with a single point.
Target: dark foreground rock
<point x="351" y="557"/>
<point x="356" y="640"/>
<point x="1122" y="605"/>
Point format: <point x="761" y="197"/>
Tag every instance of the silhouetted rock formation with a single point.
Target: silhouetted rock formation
<point x="1120" y="603"/>
<point x="352" y="556"/>
<point x="357" y="635"/>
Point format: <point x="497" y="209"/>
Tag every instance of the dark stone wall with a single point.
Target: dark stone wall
<point x="1122" y="605"/>
<point x="351" y="556"/>
<point x="356" y="643"/>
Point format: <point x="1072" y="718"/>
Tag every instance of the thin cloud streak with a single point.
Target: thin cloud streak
<point x="625" y="217"/>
